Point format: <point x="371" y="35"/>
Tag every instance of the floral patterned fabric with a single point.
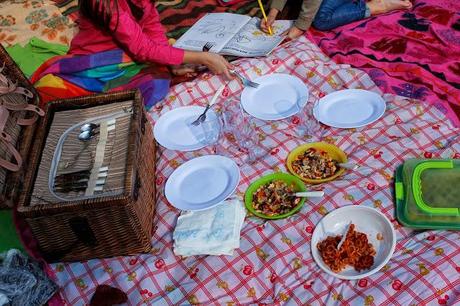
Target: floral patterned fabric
<point x="20" y="20"/>
<point x="273" y="265"/>
<point x="414" y="53"/>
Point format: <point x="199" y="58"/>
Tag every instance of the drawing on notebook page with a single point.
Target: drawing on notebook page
<point x="246" y="38"/>
<point x="232" y="34"/>
<point x="216" y="27"/>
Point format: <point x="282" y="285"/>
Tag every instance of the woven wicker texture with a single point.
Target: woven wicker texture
<point x="104" y="226"/>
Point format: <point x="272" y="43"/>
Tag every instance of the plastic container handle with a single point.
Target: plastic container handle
<point x="417" y="188"/>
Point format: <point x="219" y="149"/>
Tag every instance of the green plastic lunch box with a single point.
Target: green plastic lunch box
<point x="428" y="193"/>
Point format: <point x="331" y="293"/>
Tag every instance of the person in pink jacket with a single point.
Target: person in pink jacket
<point x="134" y="26"/>
<point x="121" y="45"/>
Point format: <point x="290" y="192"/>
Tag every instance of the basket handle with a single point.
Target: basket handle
<point x="24" y="107"/>
<point x="83" y="231"/>
<point x="137" y="186"/>
<point x="14" y="167"/>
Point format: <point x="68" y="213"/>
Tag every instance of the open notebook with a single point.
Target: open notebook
<point x="232" y="34"/>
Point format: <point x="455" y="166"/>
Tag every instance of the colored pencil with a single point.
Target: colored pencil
<point x="265" y="16"/>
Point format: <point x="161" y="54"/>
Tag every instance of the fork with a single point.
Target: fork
<point x="246" y="82"/>
<point x="201" y="118"/>
<point x="207" y="46"/>
<point x="344" y="237"/>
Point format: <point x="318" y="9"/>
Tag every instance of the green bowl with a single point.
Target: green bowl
<point x="287" y="178"/>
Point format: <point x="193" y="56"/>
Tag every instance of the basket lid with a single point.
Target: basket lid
<point x="19" y="136"/>
<point x="427" y="195"/>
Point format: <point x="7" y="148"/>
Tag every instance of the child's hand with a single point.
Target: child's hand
<point x="217" y="64"/>
<point x="184" y="70"/>
<point x="295" y="32"/>
<point x="264" y="25"/>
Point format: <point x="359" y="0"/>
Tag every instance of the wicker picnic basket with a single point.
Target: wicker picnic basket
<point x="97" y="222"/>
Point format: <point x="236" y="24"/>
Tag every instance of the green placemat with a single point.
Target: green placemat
<point x="9" y="238"/>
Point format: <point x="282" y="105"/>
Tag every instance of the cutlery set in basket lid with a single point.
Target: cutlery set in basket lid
<point x="86" y="191"/>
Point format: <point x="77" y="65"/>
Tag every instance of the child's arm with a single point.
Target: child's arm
<point x="129" y="34"/>
<point x="303" y="22"/>
<point x="307" y="14"/>
<point x="278" y="5"/>
<point x="152" y="25"/>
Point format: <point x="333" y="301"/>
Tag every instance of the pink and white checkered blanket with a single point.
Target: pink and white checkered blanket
<point x="274" y="265"/>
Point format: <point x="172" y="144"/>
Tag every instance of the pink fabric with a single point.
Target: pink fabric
<point x="144" y="40"/>
<point x="414" y="53"/>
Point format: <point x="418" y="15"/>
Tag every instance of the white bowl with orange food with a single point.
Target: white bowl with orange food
<point x="316" y="162"/>
<point x="367" y="248"/>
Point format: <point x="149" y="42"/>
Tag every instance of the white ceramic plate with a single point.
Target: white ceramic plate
<point x="366" y="220"/>
<point x="275" y="98"/>
<point x="349" y="108"/>
<point x="172" y="130"/>
<point x="202" y="182"/>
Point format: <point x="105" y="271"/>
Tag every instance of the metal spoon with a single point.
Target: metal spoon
<point x="86" y="135"/>
<point x="89" y="127"/>
<point x="350" y="166"/>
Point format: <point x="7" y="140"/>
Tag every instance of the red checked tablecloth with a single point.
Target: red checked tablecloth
<point x="273" y="265"/>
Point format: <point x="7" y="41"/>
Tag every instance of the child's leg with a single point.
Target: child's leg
<point x="334" y="13"/>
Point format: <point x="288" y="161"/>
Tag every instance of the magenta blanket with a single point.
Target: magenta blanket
<point x="413" y="53"/>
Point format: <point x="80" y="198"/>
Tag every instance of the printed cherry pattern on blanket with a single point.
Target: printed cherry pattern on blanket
<point x="272" y="266"/>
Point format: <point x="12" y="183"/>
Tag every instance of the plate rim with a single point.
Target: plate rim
<point x="231" y="190"/>
<point x="368" y="273"/>
<point x="269" y="75"/>
<point x="348" y="126"/>
<point x="177" y="148"/>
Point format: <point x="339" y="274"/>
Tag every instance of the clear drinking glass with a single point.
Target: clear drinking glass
<point x="211" y="128"/>
<point x="238" y="123"/>
<point x="208" y="131"/>
<point x="253" y="148"/>
<point x="308" y="125"/>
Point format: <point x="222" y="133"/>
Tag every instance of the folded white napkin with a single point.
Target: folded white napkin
<point x="215" y="231"/>
<point x="3" y="300"/>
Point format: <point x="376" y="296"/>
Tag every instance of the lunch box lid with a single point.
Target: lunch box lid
<point x="427" y="193"/>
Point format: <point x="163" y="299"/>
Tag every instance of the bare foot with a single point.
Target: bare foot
<point x="383" y="6"/>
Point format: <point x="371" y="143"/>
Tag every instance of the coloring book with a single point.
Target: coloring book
<point x="233" y="34"/>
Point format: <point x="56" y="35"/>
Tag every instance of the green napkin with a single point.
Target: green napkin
<point x="34" y="53"/>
